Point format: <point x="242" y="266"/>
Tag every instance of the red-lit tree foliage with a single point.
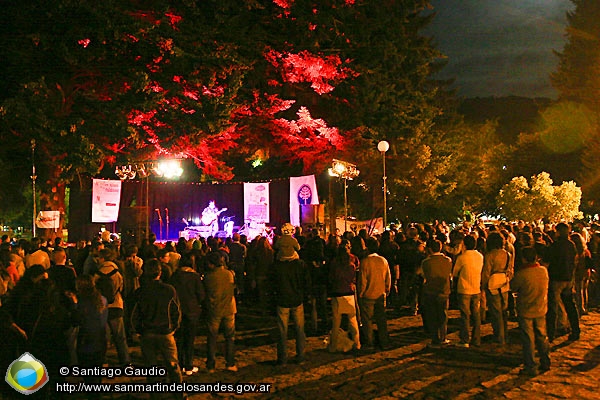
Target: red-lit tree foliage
<point x="364" y="69"/>
<point x="115" y="83"/>
<point x="219" y="81"/>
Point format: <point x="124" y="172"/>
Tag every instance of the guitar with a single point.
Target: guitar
<point x="209" y="217"/>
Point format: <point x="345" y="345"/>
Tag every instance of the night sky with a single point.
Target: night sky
<point x="500" y="47"/>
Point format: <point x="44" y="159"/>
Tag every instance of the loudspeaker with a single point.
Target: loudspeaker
<point x="312" y="214"/>
<point x="132" y="223"/>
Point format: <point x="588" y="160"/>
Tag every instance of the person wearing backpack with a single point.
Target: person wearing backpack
<point x="109" y="282"/>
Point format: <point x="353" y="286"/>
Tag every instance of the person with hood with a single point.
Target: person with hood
<point x="108" y="268"/>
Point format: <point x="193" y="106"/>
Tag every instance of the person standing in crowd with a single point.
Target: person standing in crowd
<point x="286" y="246"/>
<point x="132" y="271"/>
<point x="497" y="260"/>
<point x="60" y="273"/>
<point x="164" y="256"/>
<point x="11" y="268"/>
<point x="219" y="284"/>
<point x="583" y="262"/>
<point x="190" y="291"/>
<point x="237" y="263"/>
<point x="90" y="265"/>
<point x="342" y="282"/>
<point x="389" y="249"/>
<point x="64" y="278"/>
<point x="436" y="271"/>
<point x="36" y="255"/>
<point x="261" y="259"/>
<point x="291" y="284"/>
<point x="313" y="254"/>
<point x="148" y="248"/>
<point x="561" y="269"/>
<point x="116" y="323"/>
<point x="530" y="283"/>
<point x="410" y="256"/>
<point x="174" y="256"/>
<point x="92" y="317"/>
<point x="374" y="283"/>
<point x="156" y="315"/>
<point x="467" y="271"/>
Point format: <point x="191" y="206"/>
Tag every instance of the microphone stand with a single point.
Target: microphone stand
<point x="167" y="218"/>
<point x="160" y="222"/>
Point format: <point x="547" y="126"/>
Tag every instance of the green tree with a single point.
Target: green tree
<point x="538" y="199"/>
<point x="577" y="80"/>
<point x="478" y="166"/>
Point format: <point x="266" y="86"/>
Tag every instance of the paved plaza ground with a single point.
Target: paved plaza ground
<point x="408" y="369"/>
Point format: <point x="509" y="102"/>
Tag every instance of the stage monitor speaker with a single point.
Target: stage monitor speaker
<point x="312" y="214"/>
<point x="132" y="222"/>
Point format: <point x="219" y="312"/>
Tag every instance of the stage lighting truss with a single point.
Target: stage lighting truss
<point x="168" y="169"/>
<point x="125" y="172"/>
<point x="343" y="169"/>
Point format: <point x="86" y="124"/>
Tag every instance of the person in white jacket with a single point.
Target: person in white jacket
<point x="467" y="272"/>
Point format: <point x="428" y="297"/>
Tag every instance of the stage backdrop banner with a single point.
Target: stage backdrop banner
<point x="303" y="191"/>
<point x="48" y="220"/>
<point x="106" y="198"/>
<point x="256" y="202"/>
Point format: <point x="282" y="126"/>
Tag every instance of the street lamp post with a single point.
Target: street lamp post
<point x="346" y="171"/>
<point x="383" y="147"/>
<point x="33" y="178"/>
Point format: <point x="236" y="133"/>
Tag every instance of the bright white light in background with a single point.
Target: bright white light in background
<point x="256" y="163"/>
<point x="169" y="169"/>
<point x="196" y="221"/>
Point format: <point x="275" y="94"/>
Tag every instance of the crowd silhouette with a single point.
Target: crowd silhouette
<point x="62" y="303"/>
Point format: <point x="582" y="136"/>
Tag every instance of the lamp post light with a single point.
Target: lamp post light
<point x="346" y="171"/>
<point x="383" y="147"/>
<point x="33" y="178"/>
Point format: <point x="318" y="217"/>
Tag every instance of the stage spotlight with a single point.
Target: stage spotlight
<point x="170" y="169"/>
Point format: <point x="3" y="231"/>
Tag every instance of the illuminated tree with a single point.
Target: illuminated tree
<point x="577" y="80"/>
<point x="225" y="82"/>
<point x="538" y="199"/>
<point x="100" y="83"/>
<point x="478" y="168"/>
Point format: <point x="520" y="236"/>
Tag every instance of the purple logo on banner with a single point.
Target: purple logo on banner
<point x="304" y="195"/>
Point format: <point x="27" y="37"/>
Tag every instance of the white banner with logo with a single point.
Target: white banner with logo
<point x="106" y="198"/>
<point x="303" y="191"/>
<point x="48" y="220"/>
<point x="256" y="202"/>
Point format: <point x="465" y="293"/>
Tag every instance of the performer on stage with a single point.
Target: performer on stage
<point x="210" y="217"/>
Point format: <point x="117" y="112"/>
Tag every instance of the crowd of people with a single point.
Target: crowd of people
<point x="63" y="302"/>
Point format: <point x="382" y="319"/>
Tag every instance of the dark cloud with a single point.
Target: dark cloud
<point x="500" y="48"/>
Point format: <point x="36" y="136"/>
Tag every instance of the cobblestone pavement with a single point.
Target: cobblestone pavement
<point x="408" y="369"/>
